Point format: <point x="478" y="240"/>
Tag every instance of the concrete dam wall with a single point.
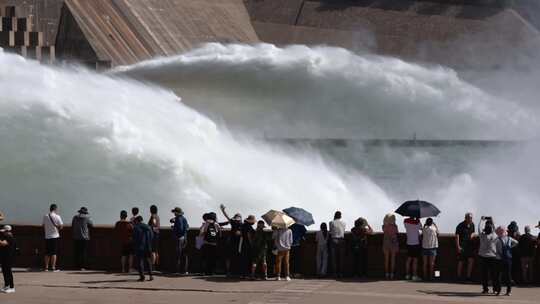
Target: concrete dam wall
<point x="460" y="34"/>
<point x="104" y="252"/>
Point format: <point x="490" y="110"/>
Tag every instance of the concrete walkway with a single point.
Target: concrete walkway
<point x="99" y="287"/>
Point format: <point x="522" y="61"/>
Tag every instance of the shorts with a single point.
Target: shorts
<point x="51" y="246"/>
<point x="127" y="249"/>
<point x="155" y="243"/>
<point x="413" y="251"/>
<point x="466" y="253"/>
<point x="431" y="252"/>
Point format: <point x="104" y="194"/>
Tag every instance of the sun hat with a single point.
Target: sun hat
<point x="251" y="219"/>
<point x="6" y="228"/>
<point x="178" y="210"/>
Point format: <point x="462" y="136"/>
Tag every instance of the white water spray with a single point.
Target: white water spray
<point x="79" y="138"/>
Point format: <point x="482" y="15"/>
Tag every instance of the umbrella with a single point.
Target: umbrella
<point x="418" y="209"/>
<point x="300" y="216"/>
<point x="277" y="219"/>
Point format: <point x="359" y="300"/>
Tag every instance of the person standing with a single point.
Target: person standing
<point x="465" y="246"/>
<point x="142" y="242"/>
<point x="504" y="245"/>
<point x="260" y="247"/>
<point x="390" y="245"/>
<point x="180" y="230"/>
<point x="413" y="228"/>
<point x="210" y="233"/>
<point x="488" y="255"/>
<point x="232" y="243"/>
<point x="359" y="241"/>
<point x="246" y="248"/>
<point x="7" y="258"/>
<point x="52" y="224"/>
<point x="80" y="227"/>
<point x="134" y="214"/>
<point x="155" y="224"/>
<point x="124" y="233"/>
<point x="430" y="244"/>
<point x="527" y="252"/>
<point x="282" y="242"/>
<point x="337" y="244"/>
<point x="323" y="241"/>
<point x="298" y="232"/>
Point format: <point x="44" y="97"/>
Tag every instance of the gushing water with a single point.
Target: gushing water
<point x="110" y="143"/>
<point x="80" y="138"/>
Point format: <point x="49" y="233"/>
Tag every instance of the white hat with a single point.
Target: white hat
<point x="6" y="228"/>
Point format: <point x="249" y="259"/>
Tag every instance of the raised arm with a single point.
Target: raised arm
<point x="222" y="207"/>
<point x="481" y="225"/>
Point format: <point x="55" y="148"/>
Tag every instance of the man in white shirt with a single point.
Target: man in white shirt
<point x="337" y="243"/>
<point x="52" y="224"/>
<point x="414" y="250"/>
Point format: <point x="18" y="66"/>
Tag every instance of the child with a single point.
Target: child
<point x="260" y="247"/>
<point x="7" y="256"/>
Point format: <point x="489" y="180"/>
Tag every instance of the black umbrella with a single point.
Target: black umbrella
<point x="418" y="209"/>
<point x="300" y="216"/>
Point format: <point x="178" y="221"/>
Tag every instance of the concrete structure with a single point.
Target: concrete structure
<point x="457" y="33"/>
<point x="104" y="252"/>
<point x="460" y="34"/>
<point x="124" y="32"/>
<point x="17" y="35"/>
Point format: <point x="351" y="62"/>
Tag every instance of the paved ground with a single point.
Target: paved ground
<point x="99" y="287"/>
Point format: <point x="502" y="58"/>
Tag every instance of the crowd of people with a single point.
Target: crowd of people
<point x="500" y="250"/>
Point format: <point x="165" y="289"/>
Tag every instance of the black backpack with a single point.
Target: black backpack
<point x="211" y="233"/>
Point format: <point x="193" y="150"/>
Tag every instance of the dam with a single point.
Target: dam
<point x="198" y="103"/>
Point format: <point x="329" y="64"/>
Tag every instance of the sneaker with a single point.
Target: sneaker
<point x="56" y="270"/>
<point x="9" y="290"/>
<point x="4" y="288"/>
<point x="416" y="278"/>
<point x="266" y="278"/>
<point x="287" y="278"/>
<point x="278" y="279"/>
<point x="408" y="277"/>
<point x="46" y="270"/>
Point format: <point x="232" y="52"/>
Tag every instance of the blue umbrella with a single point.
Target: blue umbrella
<point x="300" y="216"/>
<point x="418" y="209"/>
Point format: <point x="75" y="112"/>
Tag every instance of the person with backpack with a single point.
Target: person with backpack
<point x="210" y="232"/>
<point x="52" y="224"/>
<point x="504" y="245"/>
<point x="80" y="227"/>
<point x="142" y="242"/>
<point x="8" y="248"/>
<point x="180" y="230"/>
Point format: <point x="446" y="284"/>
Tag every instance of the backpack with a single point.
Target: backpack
<point x="506" y="250"/>
<point x="211" y="233"/>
